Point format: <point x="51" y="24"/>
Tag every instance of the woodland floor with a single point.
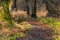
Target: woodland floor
<point x="38" y="31"/>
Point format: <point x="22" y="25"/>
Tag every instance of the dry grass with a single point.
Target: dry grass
<point x="24" y="13"/>
<point x="41" y="13"/>
<point x="18" y="13"/>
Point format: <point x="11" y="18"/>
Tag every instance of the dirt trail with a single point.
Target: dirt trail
<point x="38" y="32"/>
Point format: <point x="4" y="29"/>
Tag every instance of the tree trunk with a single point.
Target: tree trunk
<point x="34" y="9"/>
<point x="27" y="7"/>
<point x="14" y="5"/>
<point x="7" y="15"/>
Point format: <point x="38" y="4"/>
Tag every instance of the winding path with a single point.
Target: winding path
<point x="38" y="32"/>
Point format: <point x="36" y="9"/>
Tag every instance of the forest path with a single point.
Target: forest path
<point x="38" y="32"/>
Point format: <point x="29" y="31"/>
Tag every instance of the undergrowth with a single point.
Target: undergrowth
<point x="13" y="35"/>
<point x="50" y="21"/>
<point x="53" y="23"/>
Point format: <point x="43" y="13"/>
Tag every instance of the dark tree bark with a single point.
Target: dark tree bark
<point x="34" y="9"/>
<point x="27" y="7"/>
<point x="0" y="2"/>
<point x="14" y="5"/>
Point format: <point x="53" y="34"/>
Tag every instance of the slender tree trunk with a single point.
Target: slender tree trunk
<point x="27" y="7"/>
<point x="34" y="9"/>
<point x="14" y="5"/>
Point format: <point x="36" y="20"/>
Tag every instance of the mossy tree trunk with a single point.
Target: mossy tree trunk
<point x="7" y="16"/>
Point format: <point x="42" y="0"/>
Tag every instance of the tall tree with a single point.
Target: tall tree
<point x="27" y="6"/>
<point x="34" y="9"/>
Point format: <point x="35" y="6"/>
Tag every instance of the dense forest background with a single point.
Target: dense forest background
<point x="41" y="5"/>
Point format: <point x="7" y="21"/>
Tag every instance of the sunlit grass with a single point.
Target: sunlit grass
<point x="12" y="36"/>
<point x="50" y="21"/>
<point x="53" y="23"/>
